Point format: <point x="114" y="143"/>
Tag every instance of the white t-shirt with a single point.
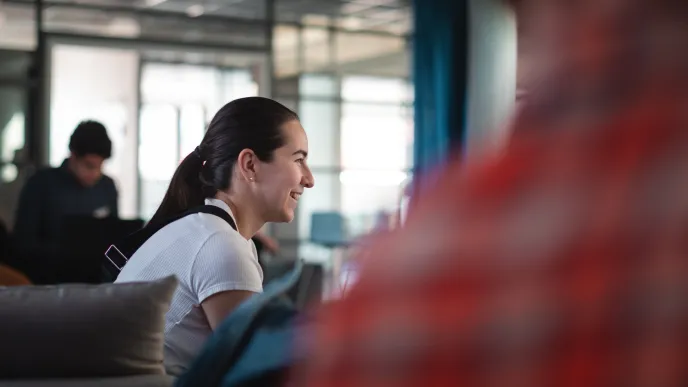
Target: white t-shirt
<point x="207" y="256"/>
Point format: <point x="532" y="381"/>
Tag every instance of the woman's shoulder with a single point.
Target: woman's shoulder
<point x="225" y="261"/>
<point x="227" y="243"/>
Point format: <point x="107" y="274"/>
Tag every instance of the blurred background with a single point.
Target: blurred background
<point x="154" y="72"/>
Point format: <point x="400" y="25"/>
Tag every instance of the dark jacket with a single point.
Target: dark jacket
<point x="49" y="196"/>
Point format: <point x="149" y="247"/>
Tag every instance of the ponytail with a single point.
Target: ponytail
<point x="185" y="190"/>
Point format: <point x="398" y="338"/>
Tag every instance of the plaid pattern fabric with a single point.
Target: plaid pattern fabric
<point x="564" y="262"/>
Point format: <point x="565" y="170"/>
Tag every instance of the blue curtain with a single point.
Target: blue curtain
<point x="440" y="49"/>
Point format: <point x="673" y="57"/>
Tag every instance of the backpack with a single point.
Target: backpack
<point x="117" y="255"/>
<point x="254" y="345"/>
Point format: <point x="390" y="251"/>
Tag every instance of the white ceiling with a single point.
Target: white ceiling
<point x="17" y="27"/>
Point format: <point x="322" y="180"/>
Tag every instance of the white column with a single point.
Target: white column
<point x="491" y="73"/>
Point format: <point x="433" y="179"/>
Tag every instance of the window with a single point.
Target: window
<point x="178" y="101"/>
<point x="360" y="135"/>
<point x="192" y="125"/>
<point x="376" y="137"/>
<point x="319" y="112"/>
<point x="12" y="141"/>
<point x="352" y="93"/>
<point x="158" y="154"/>
<point x="89" y="83"/>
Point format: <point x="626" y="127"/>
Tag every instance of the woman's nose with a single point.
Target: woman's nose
<point x="308" y="180"/>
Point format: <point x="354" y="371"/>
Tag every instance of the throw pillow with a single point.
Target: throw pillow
<point x="76" y="330"/>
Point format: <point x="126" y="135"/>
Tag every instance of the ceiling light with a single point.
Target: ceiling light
<point x="351" y="23"/>
<point x="195" y="10"/>
<point x="123" y="26"/>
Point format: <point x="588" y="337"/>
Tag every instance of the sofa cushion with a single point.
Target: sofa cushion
<point x="123" y="381"/>
<point x="76" y="330"/>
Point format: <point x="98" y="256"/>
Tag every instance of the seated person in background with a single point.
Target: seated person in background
<point x="77" y="187"/>
<point x="562" y="262"/>
<point x="267" y="243"/>
<point x="251" y="164"/>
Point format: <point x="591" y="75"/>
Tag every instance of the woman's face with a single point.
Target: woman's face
<point x="280" y="182"/>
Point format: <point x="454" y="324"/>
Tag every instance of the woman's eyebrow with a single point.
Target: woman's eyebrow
<point x="301" y="152"/>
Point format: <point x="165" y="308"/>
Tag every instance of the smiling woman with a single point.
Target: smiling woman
<point x="252" y="165"/>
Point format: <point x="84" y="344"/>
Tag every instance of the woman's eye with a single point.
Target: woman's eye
<point x="300" y="161"/>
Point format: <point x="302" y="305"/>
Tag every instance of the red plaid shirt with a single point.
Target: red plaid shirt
<point x="563" y="262"/>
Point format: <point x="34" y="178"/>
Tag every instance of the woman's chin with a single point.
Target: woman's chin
<point x="287" y="216"/>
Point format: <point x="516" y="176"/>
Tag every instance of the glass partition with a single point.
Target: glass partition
<point x="178" y="101"/>
<point x="95" y="83"/>
<point x="360" y="131"/>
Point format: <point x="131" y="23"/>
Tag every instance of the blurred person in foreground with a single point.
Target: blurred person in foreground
<point x="564" y="261"/>
<point x="77" y="187"/>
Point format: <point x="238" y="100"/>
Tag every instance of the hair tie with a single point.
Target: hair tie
<point x="197" y="153"/>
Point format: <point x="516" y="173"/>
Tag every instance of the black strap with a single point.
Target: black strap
<point x="117" y="255"/>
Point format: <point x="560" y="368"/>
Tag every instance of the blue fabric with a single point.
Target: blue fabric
<point x="270" y="349"/>
<point x="254" y="340"/>
<point x="439" y="70"/>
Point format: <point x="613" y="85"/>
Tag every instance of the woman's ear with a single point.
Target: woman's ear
<point x="247" y="162"/>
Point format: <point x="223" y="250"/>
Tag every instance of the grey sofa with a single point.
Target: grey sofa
<point x="73" y="335"/>
<point x="123" y="381"/>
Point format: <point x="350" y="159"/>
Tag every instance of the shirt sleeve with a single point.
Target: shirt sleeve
<point x="223" y="264"/>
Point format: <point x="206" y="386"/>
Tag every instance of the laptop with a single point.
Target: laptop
<point x="83" y="241"/>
